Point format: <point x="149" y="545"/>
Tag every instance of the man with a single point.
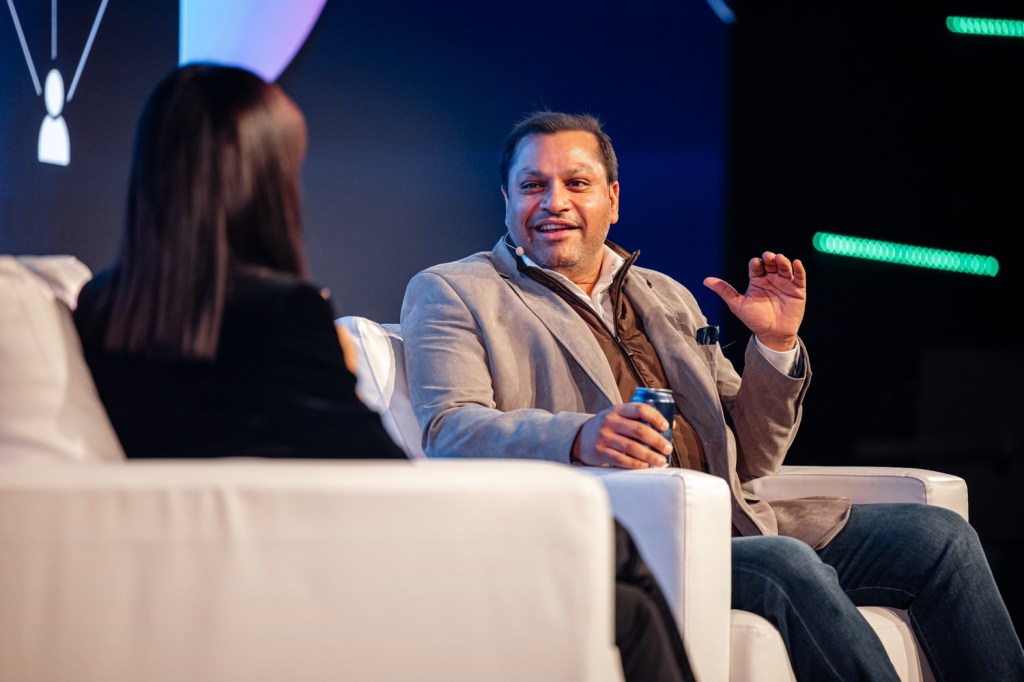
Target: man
<point x="534" y="348"/>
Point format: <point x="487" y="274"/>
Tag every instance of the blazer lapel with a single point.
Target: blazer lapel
<point x="561" y="321"/>
<point x="688" y="366"/>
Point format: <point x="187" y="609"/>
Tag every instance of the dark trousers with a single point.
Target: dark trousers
<point x="645" y="629"/>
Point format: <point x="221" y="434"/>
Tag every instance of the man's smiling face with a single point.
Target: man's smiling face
<point x="559" y="204"/>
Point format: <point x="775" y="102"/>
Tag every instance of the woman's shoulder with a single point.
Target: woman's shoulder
<point x="271" y="288"/>
<point x="90" y="313"/>
<point x="262" y="297"/>
<point x="256" y="281"/>
<point x="93" y="289"/>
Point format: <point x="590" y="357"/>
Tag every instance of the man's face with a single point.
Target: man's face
<point x="558" y="203"/>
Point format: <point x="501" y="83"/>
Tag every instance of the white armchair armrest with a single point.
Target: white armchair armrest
<point x="212" y="570"/>
<point x="680" y="520"/>
<point x="865" y="485"/>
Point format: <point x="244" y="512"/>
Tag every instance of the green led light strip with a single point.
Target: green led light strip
<point x="1003" y="28"/>
<point x="904" y="254"/>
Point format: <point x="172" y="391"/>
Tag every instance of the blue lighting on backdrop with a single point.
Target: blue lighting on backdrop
<point x="406" y="104"/>
<point x="262" y="36"/>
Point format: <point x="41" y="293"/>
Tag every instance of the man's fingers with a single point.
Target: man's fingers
<point x="756" y="267"/>
<point x="633" y="455"/>
<point x="622" y="436"/>
<point x="799" y="273"/>
<point x="783" y="265"/>
<point x="725" y="291"/>
<point x="632" y="444"/>
<point x="644" y="451"/>
<point x="642" y="411"/>
<point x="772" y="263"/>
<point x="624" y="461"/>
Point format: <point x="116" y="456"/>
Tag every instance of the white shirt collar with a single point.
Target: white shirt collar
<point x="599" y="300"/>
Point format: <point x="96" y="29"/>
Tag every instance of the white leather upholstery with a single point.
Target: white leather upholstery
<point x="864" y="485"/>
<point x="680" y="520"/>
<point x="756" y="650"/>
<point x="893" y="628"/>
<point x="757" y="653"/>
<point x="49" y="408"/>
<point x="380" y="373"/>
<point x="221" y="570"/>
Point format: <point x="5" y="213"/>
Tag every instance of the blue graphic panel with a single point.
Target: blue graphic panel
<point x="260" y="35"/>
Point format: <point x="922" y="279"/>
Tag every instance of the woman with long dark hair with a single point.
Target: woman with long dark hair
<point x="205" y="338"/>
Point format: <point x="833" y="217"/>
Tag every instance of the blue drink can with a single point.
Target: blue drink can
<point x="661" y="399"/>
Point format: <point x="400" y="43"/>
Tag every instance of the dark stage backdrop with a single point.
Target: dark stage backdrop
<point x="77" y="208"/>
<point x="871" y="119"/>
<point x="407" y="104"/>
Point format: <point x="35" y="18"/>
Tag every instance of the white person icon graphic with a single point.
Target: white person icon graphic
<point x="54" y="143"/>
<point x="54" y="140"/>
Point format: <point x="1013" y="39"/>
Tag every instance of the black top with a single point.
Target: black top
<point x="277" y="388"/>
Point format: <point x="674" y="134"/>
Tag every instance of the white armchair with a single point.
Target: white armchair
<point x="681" y="522"/>
<point x="223" y="570"/>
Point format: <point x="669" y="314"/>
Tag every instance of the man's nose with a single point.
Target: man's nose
<point x="556" y="198"/>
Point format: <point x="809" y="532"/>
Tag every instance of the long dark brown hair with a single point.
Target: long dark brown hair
<point x="214" y="186"/>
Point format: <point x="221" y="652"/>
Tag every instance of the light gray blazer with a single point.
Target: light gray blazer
<point x="500" y="366"/>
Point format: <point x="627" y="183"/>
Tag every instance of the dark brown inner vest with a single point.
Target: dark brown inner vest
<point x="633" y="360"/>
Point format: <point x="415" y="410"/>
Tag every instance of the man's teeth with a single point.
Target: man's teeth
<point x="553" y="228"/>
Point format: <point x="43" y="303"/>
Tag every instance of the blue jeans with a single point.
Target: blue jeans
<point x="924" y="559"/>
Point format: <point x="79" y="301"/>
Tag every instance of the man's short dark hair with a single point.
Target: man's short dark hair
<point x="551" y="122"/>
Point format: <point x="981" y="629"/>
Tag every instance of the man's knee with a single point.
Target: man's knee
<point x="944" y="521"/>
<point x="780" y="563"/>
<point x="944" y="533"/>
<point x="930" y="532"/>
<point x="772" y="552"/>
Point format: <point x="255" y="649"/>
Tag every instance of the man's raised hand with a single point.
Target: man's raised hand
<point x="774" y="303"/>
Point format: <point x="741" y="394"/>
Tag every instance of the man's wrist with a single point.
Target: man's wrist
<point x="778" y="344"/>
<point x="786" y="361"/>
<point x="574" y="451"/>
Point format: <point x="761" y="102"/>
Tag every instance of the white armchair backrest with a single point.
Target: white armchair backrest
<point x="49" y="407"/>
<point x="382" y="385"/>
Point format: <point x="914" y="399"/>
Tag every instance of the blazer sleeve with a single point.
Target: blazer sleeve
<point x="766" y="412"/>
<point x="449" y="366"/>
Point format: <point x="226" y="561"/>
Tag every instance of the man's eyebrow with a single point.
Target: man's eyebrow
<point x="533" y="172"/>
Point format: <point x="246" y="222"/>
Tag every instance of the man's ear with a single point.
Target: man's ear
<point x="613" y="199"/>
<point x="504" y="193"/>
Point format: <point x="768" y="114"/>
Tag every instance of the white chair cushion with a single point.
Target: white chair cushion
<point x="49" y="408"/>
<point x="893" y="627"/>
<point x="381" y="381"/>
<point x="756" y="650"/>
